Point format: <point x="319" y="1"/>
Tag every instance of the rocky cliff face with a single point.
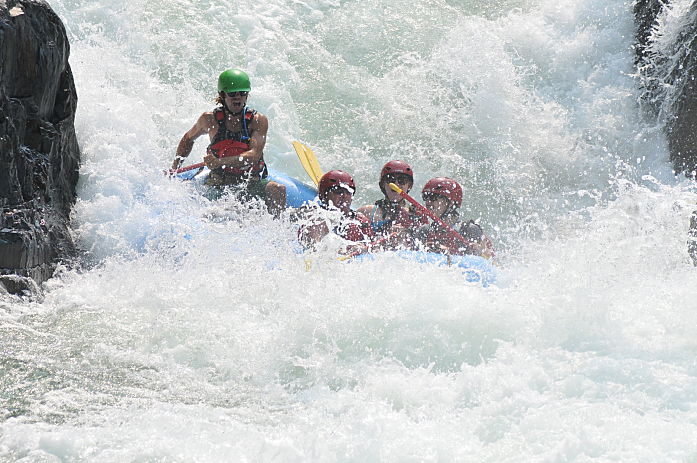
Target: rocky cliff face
<point x="39" y="154"/>
<point x="667" y="63"/>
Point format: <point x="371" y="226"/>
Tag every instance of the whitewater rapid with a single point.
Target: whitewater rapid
<point x="193" y="332"/>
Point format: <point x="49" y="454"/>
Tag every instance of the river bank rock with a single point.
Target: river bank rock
<point x="669" y="74"/>
<point x="39" y="153"/>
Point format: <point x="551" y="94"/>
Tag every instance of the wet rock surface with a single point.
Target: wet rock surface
<point x="39" y="154"/>
<point x="670" y="80"/>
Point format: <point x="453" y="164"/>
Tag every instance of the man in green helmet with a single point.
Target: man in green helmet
<point x="237" y="136"/>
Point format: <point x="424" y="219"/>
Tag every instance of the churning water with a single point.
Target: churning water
<point x="194" y="333"/>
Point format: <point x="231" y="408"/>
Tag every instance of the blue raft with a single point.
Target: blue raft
<point x="297" y="192"/>
<point x="476" y="270"/>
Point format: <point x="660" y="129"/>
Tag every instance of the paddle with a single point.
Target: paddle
<point x="422" y="210"/>
<point x="187" y="168"/>
<point x="309" y="161"/>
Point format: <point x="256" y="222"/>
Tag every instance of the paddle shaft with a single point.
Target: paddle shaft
<point x="423" y="210"/>
<point x="191" y="167"/>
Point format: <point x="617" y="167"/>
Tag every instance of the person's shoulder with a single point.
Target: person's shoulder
<point x="366" y="210"/>
<point x="258" y="121"/>
<point x="204" y="124"/>
<point x="362" y="217"/>
<point x="257" y="116"/>
<point x="471" y="230"/>
<point x="357" y="217"/>
<point x="208" y="116"/>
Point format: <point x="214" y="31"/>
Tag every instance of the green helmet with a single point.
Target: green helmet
<point x="234" y="80"/>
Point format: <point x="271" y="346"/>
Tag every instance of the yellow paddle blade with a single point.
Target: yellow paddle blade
<point x="395" y="188"/>
<point x="309" y="161"/>
<point x="308" y="264"/>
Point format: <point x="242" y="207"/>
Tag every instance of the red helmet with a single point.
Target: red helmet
<point x="395" y="167"/>
<point x="446" y="187"/>
<point x="335" y="178"/>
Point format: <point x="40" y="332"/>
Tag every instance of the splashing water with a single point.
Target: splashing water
<point x="195" y="333"/>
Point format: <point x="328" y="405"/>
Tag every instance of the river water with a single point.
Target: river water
<point x="192" y="331"/>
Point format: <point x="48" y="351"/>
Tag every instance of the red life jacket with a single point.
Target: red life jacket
<point x="444" y="242"/>
<point x="356" y="228"/>
<point x="227" y="143"/>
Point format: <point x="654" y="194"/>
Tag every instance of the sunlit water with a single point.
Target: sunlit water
<point x="194" y="333"/>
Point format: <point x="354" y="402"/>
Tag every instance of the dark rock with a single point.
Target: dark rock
<point x="39" y="154"/>
<point x="15" y="284"/>
<point x="692" y="239"/>
<point x="645" y="14"/>
<point x="668" y="77"/>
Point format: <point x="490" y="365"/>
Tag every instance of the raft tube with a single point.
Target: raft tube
<point x="297" y="192"/>
<point x="476" y="270"/>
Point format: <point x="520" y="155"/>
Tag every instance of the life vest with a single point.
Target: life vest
<point x="406" y="220"/>
<point x="402" y="218"/>
<point x="227" y="143"/>
<point x="444" y="242"/>
<point x="355" y="228"/>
